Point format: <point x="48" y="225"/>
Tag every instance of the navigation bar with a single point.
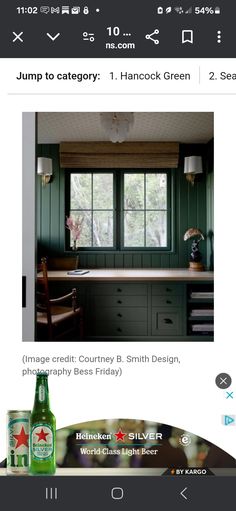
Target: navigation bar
<point x="118" y="30"/>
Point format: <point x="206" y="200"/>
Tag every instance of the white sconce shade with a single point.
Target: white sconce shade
<point x="44" y="169"/>
<point x="192" y="166"/>
<point x="44" y="166"/>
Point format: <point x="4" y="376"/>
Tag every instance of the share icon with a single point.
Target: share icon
<point x="152" y="36"/>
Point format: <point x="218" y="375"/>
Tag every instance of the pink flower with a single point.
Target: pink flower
<point x="75" y="227"/>
<point x="69" y="222"/>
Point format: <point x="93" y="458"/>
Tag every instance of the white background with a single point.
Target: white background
<point x="184" y="395"/>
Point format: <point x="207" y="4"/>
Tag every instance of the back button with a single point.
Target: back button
<point x="183" y="493"/>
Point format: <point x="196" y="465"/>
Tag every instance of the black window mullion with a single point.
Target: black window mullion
<point x="145" y="212"/>
<point x="170" y="202"/>
<point x="119" y="208"/>
<point x="92" y="209"/>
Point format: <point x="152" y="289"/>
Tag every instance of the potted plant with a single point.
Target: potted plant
<point x="75" y="227"/>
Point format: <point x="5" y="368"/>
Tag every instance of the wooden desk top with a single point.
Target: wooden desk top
<point x="117" y="275"/>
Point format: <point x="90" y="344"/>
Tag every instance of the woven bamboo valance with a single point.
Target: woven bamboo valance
<point x="106" y="155"/>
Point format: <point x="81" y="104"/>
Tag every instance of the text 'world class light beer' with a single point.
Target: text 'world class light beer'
<point x="42" y="431"/>
<point x="18" y="442"/>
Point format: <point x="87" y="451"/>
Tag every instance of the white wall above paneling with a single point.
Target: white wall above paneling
<point x="183" y="127"/>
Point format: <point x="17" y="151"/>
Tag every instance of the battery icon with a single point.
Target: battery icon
<point x="217" y="10"/>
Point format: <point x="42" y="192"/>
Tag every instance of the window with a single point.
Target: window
<point x="145" y="210"/>
<point x="92" y="203"/>
<point x="120" y="210"/>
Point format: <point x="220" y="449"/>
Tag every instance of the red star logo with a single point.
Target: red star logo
<point x="42" y="435"/>
<point x="120" y="436"/>
<point x="22" y="438"/>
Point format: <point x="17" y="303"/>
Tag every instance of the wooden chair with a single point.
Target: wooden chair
<point x="62" y="263"/>
<point x="54" y="320"/>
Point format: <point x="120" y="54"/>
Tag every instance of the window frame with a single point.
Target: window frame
<point x="118" y="210"/>
<point x="67" y="208"/>
<point x="167" y="248"/>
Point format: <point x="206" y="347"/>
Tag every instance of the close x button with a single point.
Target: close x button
<point x="17" y="37"/>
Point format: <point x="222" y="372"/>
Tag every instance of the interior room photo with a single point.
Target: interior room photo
<point x="124" y="226"/>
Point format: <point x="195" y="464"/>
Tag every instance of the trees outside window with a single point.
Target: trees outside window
<point x="145" y="210"/>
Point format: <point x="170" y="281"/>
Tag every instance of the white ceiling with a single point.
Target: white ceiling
<point x="185" y="127"/>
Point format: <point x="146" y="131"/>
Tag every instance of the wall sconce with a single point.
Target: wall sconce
<point x="192" y="166"/>
<point x="44" y="169"/>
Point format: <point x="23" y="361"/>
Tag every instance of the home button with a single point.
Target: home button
<point x="117" y="493"/>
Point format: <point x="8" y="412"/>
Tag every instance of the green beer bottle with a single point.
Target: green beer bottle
<point x="42" y="431"/>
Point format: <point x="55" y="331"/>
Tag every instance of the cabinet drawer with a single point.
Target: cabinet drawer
<point x="119" y="289"/>
<point x="127" y="328"/>
<point x="120" y="314"/>
<point x="167" y="301"/>
<point x="119" y="301"/>
<point x="166" y="322"/>
<point x="167" y="289"/>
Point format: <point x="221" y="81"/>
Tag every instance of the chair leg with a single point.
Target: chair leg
<point x="50" y="333"/>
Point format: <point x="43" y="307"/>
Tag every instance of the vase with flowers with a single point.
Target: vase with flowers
<point x="75" y="227"/>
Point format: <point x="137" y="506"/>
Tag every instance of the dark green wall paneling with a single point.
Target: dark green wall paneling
<point x="193" y="207"/>
<point x="210" y="221"/>
<point x="210" y="205"/>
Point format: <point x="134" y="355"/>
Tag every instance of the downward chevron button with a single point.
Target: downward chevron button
<point x="53" y="38"/>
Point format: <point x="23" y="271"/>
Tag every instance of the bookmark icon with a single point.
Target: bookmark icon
<point x="187" y="36"/>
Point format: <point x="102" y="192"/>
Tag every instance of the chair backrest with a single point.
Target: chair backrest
<point x="62" y="263"/>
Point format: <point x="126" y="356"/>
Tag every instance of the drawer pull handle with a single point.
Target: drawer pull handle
<point x="168" y="321"/>
<point x="119" y="290"/>
<point x="119" y="315"/>
<point x="119" y="329"/>
<point x="168" y="301"/>
<point x="119" y="301"/>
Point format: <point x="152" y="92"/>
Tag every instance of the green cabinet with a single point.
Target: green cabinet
<point x="119" y="289"/>
<point x="151" y="311"/>
<point x="167" y="289"/>
<point x="168" y="301"/>
<point x="119" y="314"/>
<point x="167" y="322"/>
<point x="168" y="309"/>
<point x="119" y="328"/>
<point x="117" y="301"/>
<point x="118" y="309"/>
<point x="134" y="309"/>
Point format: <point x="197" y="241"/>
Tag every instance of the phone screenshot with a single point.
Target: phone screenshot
<point x="117" y="356"/>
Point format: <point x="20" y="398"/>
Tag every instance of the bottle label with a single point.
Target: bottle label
<point x="42" y="441"/>
<point x="41" y="393"/>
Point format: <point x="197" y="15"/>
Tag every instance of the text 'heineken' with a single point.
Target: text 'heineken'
<point x="18" y="442"/>
<point x="42" y="431"/>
